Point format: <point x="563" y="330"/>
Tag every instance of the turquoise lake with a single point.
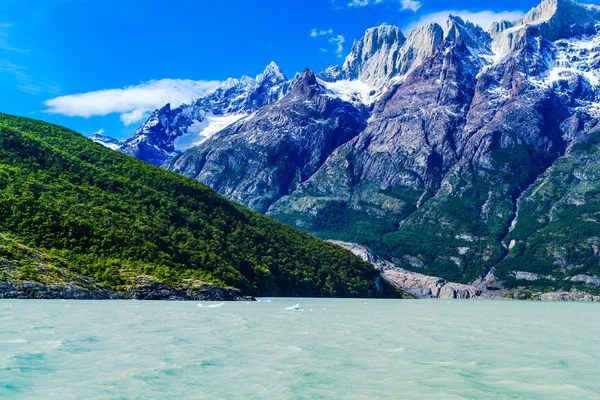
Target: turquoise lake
<point x="335" y="349"/>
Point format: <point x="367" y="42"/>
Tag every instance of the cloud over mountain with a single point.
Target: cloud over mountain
<point x="132" y="102"/>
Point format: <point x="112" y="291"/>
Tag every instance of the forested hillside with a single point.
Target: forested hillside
<point x="110" y="217"/>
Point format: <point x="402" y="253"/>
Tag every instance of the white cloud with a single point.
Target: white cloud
<point x="132" y="102"/>
<point x="481" y="18"/>
<point x="337" y="40"/>
<point x="412" y="5"/>
<point x="362" y="3"/>
<point x="321" y="32"/>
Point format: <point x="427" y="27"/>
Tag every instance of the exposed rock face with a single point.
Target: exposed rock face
<point x="568" y="296"/>
<point x="374" y="58"/>
<point x="588" y="280"/>
<point x="260" y="159"/>
<point x="171" y="131"/>
<point x="419" y="285"/>
<point x="146" y="288"/>
<point x="384" y="53"/>
<point x="71" y="291"/>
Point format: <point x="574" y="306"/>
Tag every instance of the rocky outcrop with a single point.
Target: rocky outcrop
<point x="418" y="285"/>
<point x="567" y="296"/>
<point x="384" y="53"/>
<point x="374" y="58"/>
<point x="146" y="288"/>
<point x="81" y="290"/>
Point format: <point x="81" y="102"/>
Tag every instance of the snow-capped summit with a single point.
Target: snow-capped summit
<point x="170" y="131"/>
<point x="272" y="75"/>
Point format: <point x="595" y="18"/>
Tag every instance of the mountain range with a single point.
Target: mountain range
<point x="451" y="151"/>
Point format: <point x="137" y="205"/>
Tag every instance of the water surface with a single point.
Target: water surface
<point x="350" y="349"/>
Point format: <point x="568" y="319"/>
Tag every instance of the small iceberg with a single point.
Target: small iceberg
<point x="295" y="308"/>
<point x="212" y="305"/>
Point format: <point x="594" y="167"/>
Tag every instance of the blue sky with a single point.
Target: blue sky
<point x="125" y="57"/>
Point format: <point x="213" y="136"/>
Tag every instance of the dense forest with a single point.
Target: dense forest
<point x="107" y="216"/>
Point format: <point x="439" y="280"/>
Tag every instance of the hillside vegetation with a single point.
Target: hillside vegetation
<point x="108" y="216"/>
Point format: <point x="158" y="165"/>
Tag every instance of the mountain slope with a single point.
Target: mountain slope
<point x="449" y="151"/>
<point x="113" y="219"/>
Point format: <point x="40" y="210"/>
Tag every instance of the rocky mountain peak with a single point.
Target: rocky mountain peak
<point x="306" y="85"/>
<point x="551" y="20"/>
<point x="464" y="32"/>
<point x="373" y="58"/>
<point x="420" y="45"/>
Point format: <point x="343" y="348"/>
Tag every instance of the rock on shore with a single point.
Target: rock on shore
<point x="419" y="285"/>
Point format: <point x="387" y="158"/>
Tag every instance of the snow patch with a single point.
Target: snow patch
<point x="351" y="91"/>
<point x="201" y="130"/>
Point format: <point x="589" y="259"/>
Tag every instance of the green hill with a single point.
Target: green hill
<point x="111" y="218"/>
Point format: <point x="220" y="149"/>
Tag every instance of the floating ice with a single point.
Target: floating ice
<point x="295" y="308"/>
<point x="212" y="305"/>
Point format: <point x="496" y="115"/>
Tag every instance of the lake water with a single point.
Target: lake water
<point x="335" y="349"/>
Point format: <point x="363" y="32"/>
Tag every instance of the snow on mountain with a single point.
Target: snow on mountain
<point x="356" y="92"/>
<point x="200" y="131"/>
<point x="106" y="141"/>
<point x="170" y="131"/>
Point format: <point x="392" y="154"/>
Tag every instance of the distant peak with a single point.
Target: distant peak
<point x="272" y="74"/>
<point x="165" y="109"/>
<point x="455" y="19"/>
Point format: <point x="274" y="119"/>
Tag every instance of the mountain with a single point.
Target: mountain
<point x="460" y="127"/>
<point x="110" y="222"/>
<point x="170" y="131"/>
<point x="258" y="160"/>
<point x="106" y="141"/>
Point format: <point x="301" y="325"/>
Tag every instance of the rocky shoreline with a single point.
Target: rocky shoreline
<point x="422" y="286"/>
<point x="144" y="289"/>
